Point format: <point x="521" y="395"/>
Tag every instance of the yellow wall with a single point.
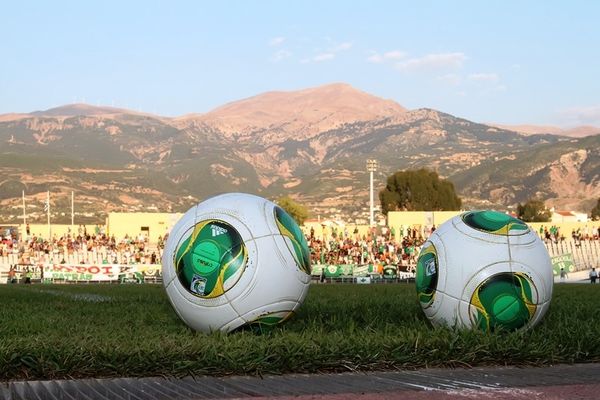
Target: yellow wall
<point x="396" y="219"/>
<point x="425" y="219"/>
<point x="121" y="224"/>
<point x="566" y="228"/>
<point x="56" y="230"/>
<point x="325" y="228"/>
<point x="118" y="224"/>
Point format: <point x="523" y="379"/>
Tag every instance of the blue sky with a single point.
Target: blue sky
<point x="495" y="61"/>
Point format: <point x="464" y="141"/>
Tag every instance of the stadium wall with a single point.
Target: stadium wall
<point x="424" y="220"/>
<point x="325" y="228"/>
<point x="118" y="224"/>
<point x="58" y="230"/>
<point x="158" y="224"/>
<point x="566" y="228"/>
<point x="152" y="225"/>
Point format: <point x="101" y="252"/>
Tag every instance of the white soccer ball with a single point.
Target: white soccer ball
<point x="484" y="270"/>
<point x="234" y="260"/>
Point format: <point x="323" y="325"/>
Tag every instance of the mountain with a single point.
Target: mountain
<point x="578" y="131"/>
<point x="275" y="115"/>
<point x="311" y="144"/>
<point x="79" y="109"/>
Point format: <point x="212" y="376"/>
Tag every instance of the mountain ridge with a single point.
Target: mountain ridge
<point x="124" y="161"/>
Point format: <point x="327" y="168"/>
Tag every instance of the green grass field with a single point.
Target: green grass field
<point x="51" y="331"/>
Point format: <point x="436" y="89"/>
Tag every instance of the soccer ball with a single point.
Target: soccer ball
<point x="484" y="270"/>
<point x="234" y="260"/>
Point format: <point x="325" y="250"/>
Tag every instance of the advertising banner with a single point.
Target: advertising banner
<point x="333" y="270"/>
<point x="563" y="261"/>
<point x="338" y="270"/>
<point x="54" y="273"/>
<point x="73" y="272"/>
<point x="390" y="272"/>
<point x="363" y="270"/>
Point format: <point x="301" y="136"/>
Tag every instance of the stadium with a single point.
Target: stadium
<point x="100" y="311"/>
<point x="299" y="200"/>
<point x="129" y="248"/>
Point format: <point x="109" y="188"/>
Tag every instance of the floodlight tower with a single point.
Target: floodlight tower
<point x="371" y="167"/>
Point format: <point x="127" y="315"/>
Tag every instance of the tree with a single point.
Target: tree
<point x="533" y="211"/>
<point x="595" y="213"/>
<point x="295" y="209"/>
<point x="418" y="190"/>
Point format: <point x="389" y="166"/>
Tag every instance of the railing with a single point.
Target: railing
<point x="586" y="253"/>
<point x="96" y="256"/>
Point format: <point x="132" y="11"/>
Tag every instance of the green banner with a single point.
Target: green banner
<point x="363" y="270"/>
<point x="390" y="272"/>
<point x="333" y="271"/>
<point x="337" y="270"/>
<point x="563" y="261"/>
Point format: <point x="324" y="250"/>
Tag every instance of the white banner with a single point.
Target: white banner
<point x="81" y="272"/>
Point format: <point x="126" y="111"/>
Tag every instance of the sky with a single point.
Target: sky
<point x="507" y="62"/>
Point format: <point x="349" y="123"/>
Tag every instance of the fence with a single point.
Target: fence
<point x="86" y="266"/>
<point x="355" y="273"/>
<point x="585" y="253"/>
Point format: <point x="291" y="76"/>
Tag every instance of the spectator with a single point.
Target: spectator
<point x="563" y="275"/>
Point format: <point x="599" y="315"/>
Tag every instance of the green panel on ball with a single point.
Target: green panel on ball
<point x="503" y="301"/>
<point x="209" y="258"/>
<point x="427" y="275"/>
<point x="266" y="322"/>
<point x="494" y="222"/>
<point x="290" y="229"/>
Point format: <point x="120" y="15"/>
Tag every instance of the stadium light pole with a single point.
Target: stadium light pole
<point x="48" y="211"/>
<point x="371" y="167"/>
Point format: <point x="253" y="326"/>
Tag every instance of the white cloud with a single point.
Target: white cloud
<point x="375" y="58"/>
<point x="433" y="62"/>
<point x="323" y="57"/>
<point x="342" y="47"/>
<point x="276" y="41"/>
<point x="450" y="79"/>
<point x="281" y="55"/>
<point x="484" y="77"/>
<point x="588" y="115"/>
<point x="488" y="82"/>
<point x="328" y="52"/>
<point x="392" y="55"/>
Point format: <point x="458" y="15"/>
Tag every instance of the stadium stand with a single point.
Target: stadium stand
<point x="343" y="256"/>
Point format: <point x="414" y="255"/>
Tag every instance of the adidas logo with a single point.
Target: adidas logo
<point x="217" y="230"/>
<point x="430" y="268"/>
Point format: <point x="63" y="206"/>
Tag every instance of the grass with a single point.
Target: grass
<point x="51" y="332"/>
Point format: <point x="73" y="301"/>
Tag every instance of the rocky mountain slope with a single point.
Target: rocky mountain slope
<point x="576" y="132"/>
<point x="311" y="144"/>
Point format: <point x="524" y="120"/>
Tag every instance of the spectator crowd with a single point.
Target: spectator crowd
<point x="82" y="247"/>
<point x="336" y="245"/>
<point x="382" y="246"/>
<point x="553" y="234"/>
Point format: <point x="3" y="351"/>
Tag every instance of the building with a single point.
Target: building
<point x="568" y="216"/>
